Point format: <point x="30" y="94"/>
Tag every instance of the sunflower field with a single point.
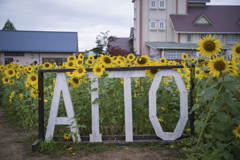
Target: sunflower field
<point x="216" y="97"/>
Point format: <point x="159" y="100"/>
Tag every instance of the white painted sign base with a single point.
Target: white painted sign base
<point x="95" y="136"/>
<point x="126" y="75"/>
<point x="61" y="85"/>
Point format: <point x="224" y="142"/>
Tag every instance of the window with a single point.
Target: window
<point x="219" y="36"/>
<point x="153" y="24"/>
<point x="189" y="38"/>
<point x="14" y="54"/>
<point x="173" y="55"/>
<point x="231" y="39"/>
<point x="135" y="13"/>
<point x="161" y="4"/>
<point x="8" y="60"/>
<point x="153" y="4"/>
<point x="161" y="24"/>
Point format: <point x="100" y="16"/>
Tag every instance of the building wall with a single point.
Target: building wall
<point x="157" y="14"/>
<point x="31" y="57"/>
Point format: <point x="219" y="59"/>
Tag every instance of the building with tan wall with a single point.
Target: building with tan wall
<point x="39" y="46"/>
<point x="167" y="28"/>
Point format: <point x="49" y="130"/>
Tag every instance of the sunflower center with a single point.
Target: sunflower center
<point x="79" y="62"/>
<point x="98" y="69"/>
<point x="80" y="70"/>
<point x="70" y="64"/>
<point x="209" y="46"/>
<point x="46" y="65"/>
<point x="238" y="50"/>
<point x="142" y="60"/>
<point x="219" y="65"/>
<point x="6" y="79"/>
<point x="90" y="62"/>
<point x="162" y="61"/>
<point x="75" y="80"/>
<point x="107" y="60"/>
<point x="33" y="78"/>
<point x="71" y="58"/>
<point x="10" y="72"/>
<point x="153" y="71"/>
<point x="130" y="57"/>
<point x="197" y="72"/>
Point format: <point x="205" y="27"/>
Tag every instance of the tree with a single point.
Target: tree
<point x="8" y="26"/>
<point x="103" y="41"/>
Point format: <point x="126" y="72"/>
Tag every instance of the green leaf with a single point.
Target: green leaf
<point x="222" y="117"/>
<point x="214" y="106"/>
<point x="199" y="125"/>
<point x="94" y="80"/>
<point x="97" y="100"/>
<point x="230" y="85"/>
<point x="94" y="89"/>
<point x="208" y="94"/>
<point x="220" y="136"/>
<point x="194" y="108"/>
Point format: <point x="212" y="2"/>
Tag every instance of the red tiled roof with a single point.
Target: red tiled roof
<point x="224" y="19"/>
<point x="122" y="43"/>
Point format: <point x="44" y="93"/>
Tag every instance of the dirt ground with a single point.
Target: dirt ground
<point x="13" y="148"/>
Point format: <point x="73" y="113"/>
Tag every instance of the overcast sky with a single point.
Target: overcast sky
<point x="87" y="17"/>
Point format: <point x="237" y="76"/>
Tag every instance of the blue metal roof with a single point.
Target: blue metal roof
<point x="38" y="41"/>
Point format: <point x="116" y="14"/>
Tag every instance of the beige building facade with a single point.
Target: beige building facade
<point x="167" y="28"/>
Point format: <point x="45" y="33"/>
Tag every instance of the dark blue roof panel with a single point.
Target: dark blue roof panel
<point x="38" y="41"/>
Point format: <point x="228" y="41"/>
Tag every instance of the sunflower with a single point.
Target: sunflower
<point x="193" y="60"/>
<point x="197" y="73"/>
<point x="9" y="72"/>
<point x="71" y="58"/>
<point x="130" y="57"/>
<point x="2" y="67"/>
<point x="163" y="60"/>
<point x="91" y="57"/>
<point x="21" y="96"/>
<point x="218" y="65"/>
<point x="184" y="56"/>
<point x="75" y="82"/>
<point x="34" y="93"/>
<point x="28" y="68"/>
<point x="79" y="62"/>
<point x="47" y="65"/>
<point x="151" y="72"/>
<point x="66" y="136"/>
<point x="209" y="47"/>
<point x="89" y="63"/>
<point x="32" y="79"/>
<point x="71" y="64"/>
<point x="70" y="74"/>
<point x="142" y="61"/>
<point x="119" y="62"/>
<point x="11" y="81"/>
<point x="236" y="50"/>
<point x="106" y="60"/>
<point x="80" y="56"/>
<point x="79" y="72"/>
<point x="98" y="69"/>
<point x="234" y="67"/>
<point x="237" y="131"/>
<point x="5" y="80"/>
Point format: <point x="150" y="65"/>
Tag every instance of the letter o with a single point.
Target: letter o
<point x="183" y="105"/>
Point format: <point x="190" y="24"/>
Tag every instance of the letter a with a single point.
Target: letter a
<point x="61" y="85"/>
